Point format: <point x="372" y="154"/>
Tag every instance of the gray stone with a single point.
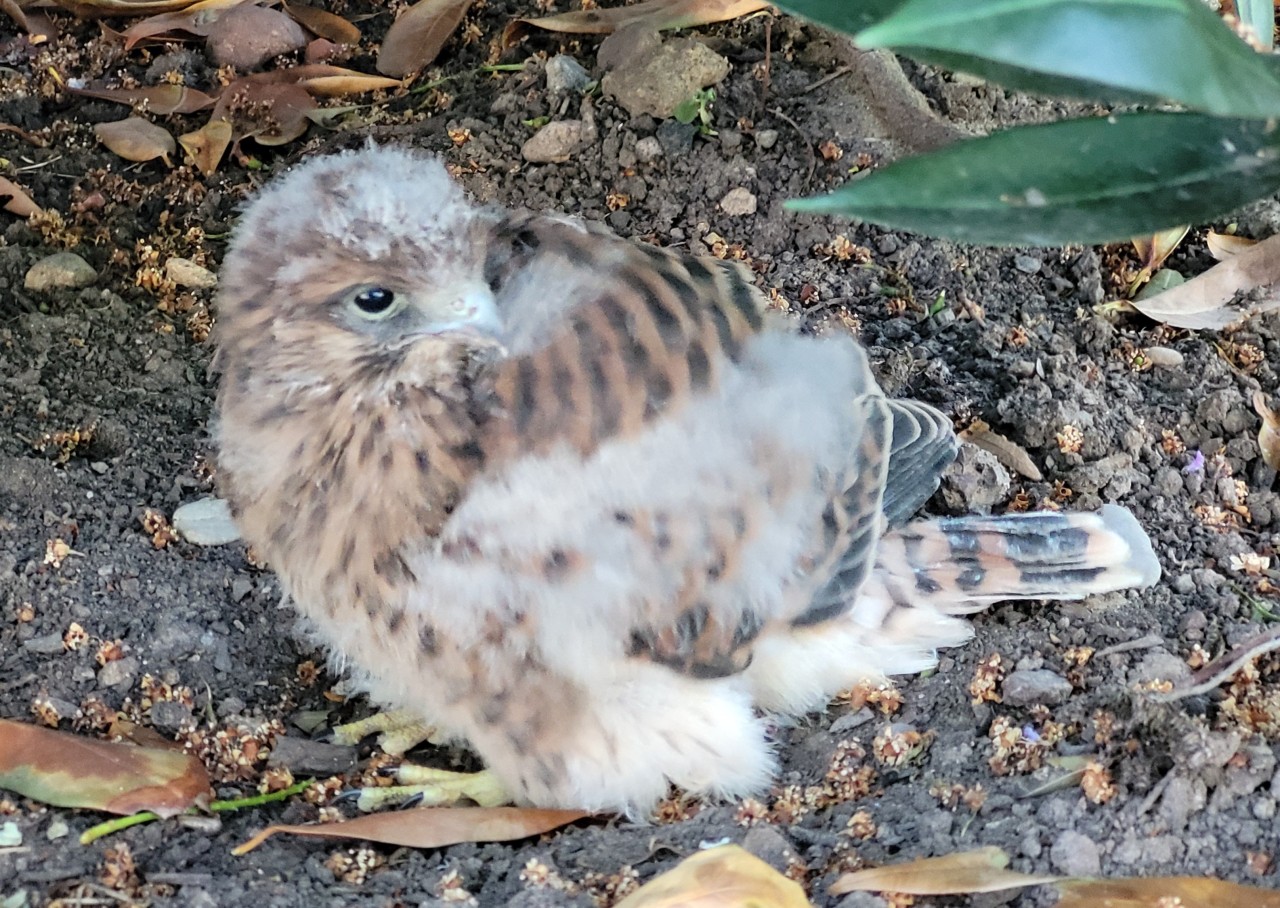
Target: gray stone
<point x="766" y="138"/>
<point x="60" y="271"/>
<point x="44" y="645"/>
<point x="311" y="758"/>
<point x="206" y="522"/>
<point x="770" y="846"/>
<point x="975" y="481"/>
<point x="1075" y="854"/>
<point x="738" y="202"/>
<point x="169" y="717"/>
<point x="675" y="137"/>
<point x="1026" y="264"/>
<point x="566" y="75"/>
<point x="648" y="150"/>
<point x="558" y="141"/>
<point x="1032" y="686"/>
<point x="186" y="273"/>
<point x="660" y="82"/>
<point x="120" y="673"/>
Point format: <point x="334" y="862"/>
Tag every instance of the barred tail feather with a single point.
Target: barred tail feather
<point x="961" y="564"/>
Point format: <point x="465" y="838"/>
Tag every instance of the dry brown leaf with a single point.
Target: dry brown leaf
<point x="1269" y="434"/>
<point x="724" y="877"/>
<point x="338" y="86"/>
<point x="432" y="827"/>
<point x="123" y="8"/>
<point x="29" y="137"/>
<point x="157" y="99"/>
<point x="1159" y="892"/>
<point x="11" y="9"/>
<point x="1209" y="300"/>
<point x="67" y="770"/>
<point x="193" y="18"/>
<point x="207" y="145"/>
<point x="981" y="870"/>
<point x="15" y="201"/>
<point x="1154" y="249"/>
<point x="1224" y="245"/>
<point x="324" y="24"/>
<point x="270" y="113"/>
<point x="416" y="37"/>
<point x="136" y="139"/>
<point x="1011" y="455"/>
<point x="657" y="15"/>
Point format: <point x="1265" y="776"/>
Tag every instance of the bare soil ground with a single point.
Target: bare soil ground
<point x="1188" y="787"/>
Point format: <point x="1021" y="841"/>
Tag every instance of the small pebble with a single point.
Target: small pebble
<point x="1026" y="264"/>
<point x="206" y="522"/>
<point x="648" y="150"/>
<point x="186" y="273"/>
<point x="59" y="271"/>
<point x="120" y="672"/>
<point x="44" y="645"/>
<point x="58" y="829"/>
<point x="554" y="143"/>
<point x="766" y="138"/>
<point x="1075" y="854"/>
<point x="168" y="716"/>
<point x="738" y="202"/>
<point x="566" y="75"/>
<point x="675" y="137"/>
<point x="730" y="139"/>
<point x="10" y="835"/>
<point x="1029" y="687"/>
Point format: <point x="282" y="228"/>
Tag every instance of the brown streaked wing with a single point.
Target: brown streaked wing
<point x="654" y="329"/>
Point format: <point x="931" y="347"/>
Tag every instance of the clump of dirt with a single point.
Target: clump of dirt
<point x="105" y="396"/>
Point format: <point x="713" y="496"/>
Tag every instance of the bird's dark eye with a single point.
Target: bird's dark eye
<point x="374" y="301"/>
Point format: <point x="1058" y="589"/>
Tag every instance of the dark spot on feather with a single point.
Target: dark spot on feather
<point x="395" y="620"/>
<point x="427" y="642"/>
<point x="699" y="365"/>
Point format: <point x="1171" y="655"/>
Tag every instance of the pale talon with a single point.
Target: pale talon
<point x="436" y="788"/>
<point x="398" y="731"/>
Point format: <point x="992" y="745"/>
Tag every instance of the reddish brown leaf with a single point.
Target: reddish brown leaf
<point x="15" y="201"/>
<point x="658" y="15"/>
<point x="433" y="827"/>
<point x="195" y="19"/>
<point x="270" y="113"/>
<point x="136" y="139"/>
<point x="1156" y="892"/>
<point x="207" y="145"/>
<point x="724" y="877"/>
<point x="70" y="771"/>
<point x="30" y="137"/>
<point x="11" y="9"/>
<point x="416" y="37"/>
<point x="324" y="24"/>
<point x="157" y="99"/>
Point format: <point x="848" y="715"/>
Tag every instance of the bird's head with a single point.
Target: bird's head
<point x="366" y="266"/>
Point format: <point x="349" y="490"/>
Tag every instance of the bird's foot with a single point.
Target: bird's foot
<point x="397" y="730"/>
<point x="423" y="786"/>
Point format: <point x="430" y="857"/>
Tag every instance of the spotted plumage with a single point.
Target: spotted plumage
<point x="576" y="500"/>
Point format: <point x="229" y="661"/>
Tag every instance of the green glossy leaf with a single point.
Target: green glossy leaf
<point x="1078" y="181"/>
<point x="848" y="16"/>
<point x="1174" y="49"/>
<point x="1259" y="15"/>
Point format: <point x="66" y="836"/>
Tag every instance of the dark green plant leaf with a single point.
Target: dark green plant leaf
<point x="848" y="16"/>
<point x="1079" y="181"/>
<point x="1174" y="49"/>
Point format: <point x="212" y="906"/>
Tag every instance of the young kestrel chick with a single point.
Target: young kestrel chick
<point x="573" y="499"/>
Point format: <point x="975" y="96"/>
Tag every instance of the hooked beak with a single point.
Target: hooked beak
<point x="476" y="319"/>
